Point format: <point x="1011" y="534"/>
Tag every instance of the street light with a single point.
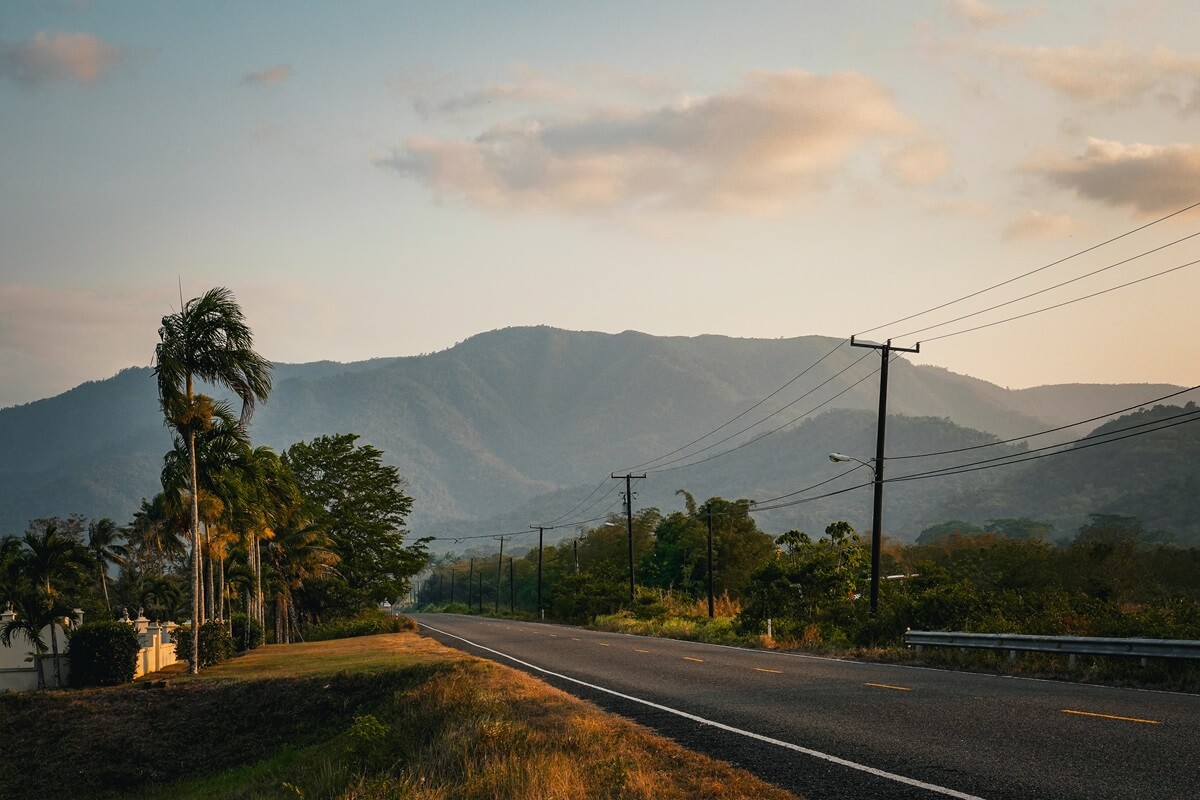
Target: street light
<point x="876" y="523"/>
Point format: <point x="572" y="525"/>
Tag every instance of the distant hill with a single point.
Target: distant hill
<point x="526" y="418"/>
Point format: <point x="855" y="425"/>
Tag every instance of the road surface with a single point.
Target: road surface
<point x="829" y="728"/>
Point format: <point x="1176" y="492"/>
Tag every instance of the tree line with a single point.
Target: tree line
<point x="1113" y="577"/>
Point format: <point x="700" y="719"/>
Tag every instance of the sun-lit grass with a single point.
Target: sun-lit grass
<point x="387" y="716"/>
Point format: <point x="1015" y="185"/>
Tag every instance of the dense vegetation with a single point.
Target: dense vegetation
<point x="1113" y="577"/>
<point x="280" y="541"/>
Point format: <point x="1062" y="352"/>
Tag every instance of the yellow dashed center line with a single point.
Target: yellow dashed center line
<point x="576" y="639"/>
<point x="637" y="650"/>
<point x="697" y="660"/>
<point x="554" y="635"/>
<point x="604" y="644"/>
<point x="1110" y="716"/>
<point x="889" y="686"/>
<point x="772" y="671"/>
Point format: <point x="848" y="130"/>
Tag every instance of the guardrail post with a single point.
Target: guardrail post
<point x="1012" y="655"/>
<point x="1071" y="661"/>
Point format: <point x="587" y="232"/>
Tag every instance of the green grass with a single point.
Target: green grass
<point x="387" y="716"/>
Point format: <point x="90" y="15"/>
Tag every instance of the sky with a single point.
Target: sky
<point x="380" y="178"/>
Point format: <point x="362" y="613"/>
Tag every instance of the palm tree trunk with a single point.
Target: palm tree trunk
<point x="211" y="599"/>
<point x="54" y="649"/>
<point x="104" y="583"/>
<point x="221" y="590"/>
<point x="194" y="668"/>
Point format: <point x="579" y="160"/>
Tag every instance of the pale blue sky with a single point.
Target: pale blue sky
<point x="378" y="179"/>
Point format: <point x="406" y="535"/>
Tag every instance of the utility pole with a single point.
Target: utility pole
<point x="470" y="582"/>
<point x="628" y="478"/>
<point x="499" y="569"/>
<point x="540" y="529"/>
<point x="480" y="595"/>
<point x="453" y="568"/>
<point x="512" y="595"/>
<point x="710" y="560"/>
<point x="885" y="352"/>
<point x="575" y="547"/>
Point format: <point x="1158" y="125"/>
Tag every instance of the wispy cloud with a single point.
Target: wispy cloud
<point x="59" y="57"/>
<point x="750" y="149"/>
<point x="1112" y="74"/>
<point x="978" y="15"/>
<point x="527" y="88"/>
<point x="271" y="76"/>
<point x="917" y="162"/>
<point x="1149" y="178"/>
<point x="1035" y="224"/>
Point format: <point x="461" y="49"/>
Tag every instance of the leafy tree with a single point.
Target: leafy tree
<point x="943" y="530"/>
<point x="1020" y="528"/>
<point x="207" y="339"/>
<point x="361" y="503"/>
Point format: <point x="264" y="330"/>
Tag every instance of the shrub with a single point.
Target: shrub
<point x="103" y="653"/>
<point x="369" y="623"/>
<point x="247" y="633"/>
<point x="216" y="643"/>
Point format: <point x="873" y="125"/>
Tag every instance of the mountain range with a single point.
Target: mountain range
<point x="517" y="426"/>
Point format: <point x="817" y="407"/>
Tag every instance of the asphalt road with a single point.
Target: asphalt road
<point x="828" y="728"/>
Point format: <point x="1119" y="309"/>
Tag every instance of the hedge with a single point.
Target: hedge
<point x="103" y="653"/>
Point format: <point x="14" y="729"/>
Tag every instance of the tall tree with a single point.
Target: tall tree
<point x="361" y="502"/>
<point x="207" y="339"/>
<point x="104" y="543"/>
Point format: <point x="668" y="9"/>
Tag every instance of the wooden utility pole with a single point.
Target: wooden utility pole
<point x="540" y="529"/>
<point x="885" y="352"/>
<point x="628" y="478"/>
<point x="710" y="560"/>
<point x="499" y="569"/>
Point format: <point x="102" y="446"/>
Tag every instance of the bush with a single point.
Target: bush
<point x="247" y="633"/>
<point x="366" y="624"/>
<point x="216" y="643"/>
<point x="103" y="653"/>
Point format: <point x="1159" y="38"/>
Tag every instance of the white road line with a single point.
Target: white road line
<point x="722" y="726"/>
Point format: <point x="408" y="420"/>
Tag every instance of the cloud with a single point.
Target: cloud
<point x="1041" y="225"/>
<point x="750" y="150"/>
<point x="1149" y="178"/>
<point x="66" y="57"/>
<point x="271" y="76"/>
<point x="444" y="95"/>
<point x="978" y="15"/>
<point x="957" y="208"/>
<point x="918" y="162"/>
<point x="1111" y="74"/>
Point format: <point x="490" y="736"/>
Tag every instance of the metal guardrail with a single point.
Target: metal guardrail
<point x="1068" y="645"/>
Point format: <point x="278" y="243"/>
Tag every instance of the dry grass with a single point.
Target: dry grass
<point x="376" y="717"/>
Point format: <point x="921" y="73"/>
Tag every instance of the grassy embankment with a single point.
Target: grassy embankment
<point x="384" y="716"/>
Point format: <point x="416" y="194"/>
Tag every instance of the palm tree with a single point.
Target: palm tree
<point x="207" y="339"/>
<point x="104" y="545"/>
<point x="298" y="552"/>
<point x="47" y="561"/>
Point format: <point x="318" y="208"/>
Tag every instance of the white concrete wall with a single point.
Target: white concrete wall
<point x="18" y="672"/>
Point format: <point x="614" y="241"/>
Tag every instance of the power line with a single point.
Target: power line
<point x="1047" y="289"/>
<point x="581" y="502"/>
<point x="1030" y="272"/>
<point x="801" y="374"/>
<point x="772" y="431"/>
<point x="1033" y="455"/>
<point x="1064" y="303"/>
<point x="1048" y="430"/>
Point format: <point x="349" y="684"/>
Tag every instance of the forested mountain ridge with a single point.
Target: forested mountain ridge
<point x="506" y="417"/>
